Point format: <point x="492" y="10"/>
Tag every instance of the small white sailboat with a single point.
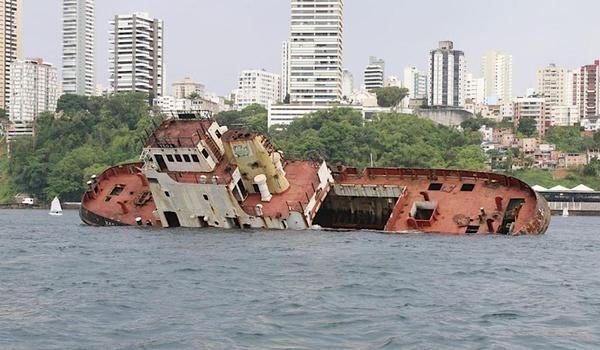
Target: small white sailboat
<point x="55" y="208"/>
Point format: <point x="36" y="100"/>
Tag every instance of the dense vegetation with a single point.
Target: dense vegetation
<point x="92" y="134"/>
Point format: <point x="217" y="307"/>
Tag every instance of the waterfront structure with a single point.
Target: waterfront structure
<point x="187" y="87"/>
<point x="587" y="90"/>
<point x="10" y="44"/>
<point x="285" y="70"/>
<point x="347" y="84"/>
<point x="496" y="69"/>
<point x="315" y="63"/>
<point x="257" y="87"/>
<point x="374" y="74"/>
<point x="474" y="90"/>
<point x="446" y="76"/>
<point x="532" y="107"/>
<point x="78" y="40"/>
<point x="416" y="83"/>
<point x="33" y="90"/>
<point x="136" y="54"/>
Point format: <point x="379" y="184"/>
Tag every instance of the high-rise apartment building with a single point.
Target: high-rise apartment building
<point x="474" y="90"/>
<point x="496" y="69"/>
<point x="187" y="87"/>
<point x="315" y="63"/>
<point x="347" y="84"/>
<point x="78" y="68"/>
<point x="33" y="90"/>
<point x="10" y="44"/>
<point x="136" y="54"/>
<point x="534" y="108"/>
<point x="374" y="74"/>
<point x="416" y="83"/>
<point x="285" y="69"/>
<point x="587" y="90"/>
<point x="551" y="83"/>
<point x="446" y="76"/>
<point x="257" y="87"/>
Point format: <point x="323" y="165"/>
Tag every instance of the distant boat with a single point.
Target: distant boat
<point x="55" y="208"/>
<point x="565" y="213"/>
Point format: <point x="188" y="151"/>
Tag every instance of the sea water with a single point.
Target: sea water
<point x="64" y="285"/>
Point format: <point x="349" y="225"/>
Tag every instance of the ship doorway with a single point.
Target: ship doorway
<point x="172" y="219"/>
<point x="511" y="215"/>
<point x="161" y="162"/>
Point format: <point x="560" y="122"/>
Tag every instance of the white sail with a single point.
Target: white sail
<point x="55" y="208"/>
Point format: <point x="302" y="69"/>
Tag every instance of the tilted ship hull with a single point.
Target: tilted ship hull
<point x="195" y="173"/>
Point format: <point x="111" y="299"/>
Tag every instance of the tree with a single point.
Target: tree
<point x="569" y="139"/>
<point x="390" y="96"/>
<point x="527" y="126"/>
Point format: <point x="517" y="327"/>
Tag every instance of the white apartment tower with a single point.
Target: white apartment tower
<point x="551" y="83"/>
<point x="374" y="74"/>
<point x="474" y="90"/>
<point x="33" y="90"/>
<point x="347" y="84"/>
<point x="257" y="87"/>
<point x="446" y="76"/>
<point x="78" y="68"/>
<point x="187" y="87"/>
<point x="10" y="44"/>
<point x="315" y="63"/>
<point x="285" y="69"/>
<point x="416" y="83"/>
<point x="136" y="54"/>
<point x="496" y="69"/>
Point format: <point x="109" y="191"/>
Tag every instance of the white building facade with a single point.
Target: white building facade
<point x="285" y="69"/>
<point x="10" y="44"/>
<point x="257" y="87"/>
<point x="416" y="83"/>
<point x="33" y="90"/>
<point x="187" y="87"/>
<point x="315" y="62"/>
<point x="136" y="54"/>
<point x="78" y="56"/>
<point x="347" y="84"/>
<point x="374" y="74"/>
<point x="497" y="70"/>
<point x="446" y="76"/>
<point x="474" y="90"/>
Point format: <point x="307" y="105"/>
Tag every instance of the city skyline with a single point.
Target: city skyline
<point x="573" y="41"/>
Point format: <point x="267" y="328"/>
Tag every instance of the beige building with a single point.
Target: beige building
<point x="10" y="43"/>
<point x="532" y="107"/>
<point x="496" y="69"/>
<point x="186" y="87"/>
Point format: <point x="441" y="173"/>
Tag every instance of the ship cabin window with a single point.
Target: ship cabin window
<point x="167" y="194"/>
<point x="435" y="187"/>
<point x="218" y="133"/>
<point x="178" y="158"/>
<point x="205" y="153"/>
<point x="195" y="158"/>
<point x="205" y="197"/>
<point x="170" y="158"/>
<point x="467" y="188"/>
<point x="187" y="158"/>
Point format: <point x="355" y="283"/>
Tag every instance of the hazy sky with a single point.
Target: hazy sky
<point x="213" y="40"/>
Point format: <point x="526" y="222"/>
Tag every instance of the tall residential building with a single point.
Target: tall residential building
<point x="33" y="90"/>
<point x="257" y="86"/>
<point x="496" y="69"/>
<point x="136" y="54"/>
<point x="587" y="90"/>
<point x="78" y="68"/>
<point x="374" y="74"/>
<point x="10" y="44"/>
<point x="187" y="87"/>
<point x="474" y="90"/>
<point x="534" y="108"/>
<point x="316" y="52"/>
<point x="446" y="76"/>
<point x="347" y="84"/>
<point x="416" y="83"/>
<point x="551" y="83"/>
<point x="285" y="69"/>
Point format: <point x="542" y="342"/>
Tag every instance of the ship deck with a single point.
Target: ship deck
<point x="303" y="178"/>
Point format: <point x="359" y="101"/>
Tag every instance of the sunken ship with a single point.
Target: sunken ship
<point x="195" y="173"/>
